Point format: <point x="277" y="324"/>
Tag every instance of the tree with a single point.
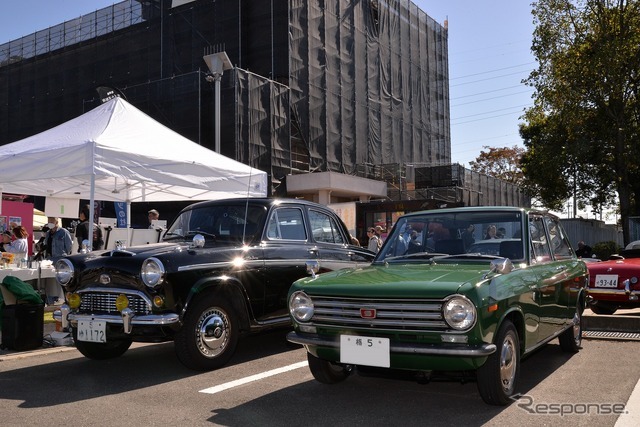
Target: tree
<point x="582" y="134"/>
<point x="502" y="163"/>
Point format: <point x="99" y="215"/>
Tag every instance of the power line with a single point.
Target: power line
<point x="490" y="117"/>
<point x="492" y="71"/>
<point x="489" y="138"/>
<point x="484" y="93"/>
<point x="489" y="112"/>
<point x="491" y="98"/>
<point x="484" y="80"/>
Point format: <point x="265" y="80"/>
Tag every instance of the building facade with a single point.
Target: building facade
<point x="316" y="86"/>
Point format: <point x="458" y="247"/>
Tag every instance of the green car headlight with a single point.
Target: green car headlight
<point x="459" y="313"/>
<point x="301" y="306"/>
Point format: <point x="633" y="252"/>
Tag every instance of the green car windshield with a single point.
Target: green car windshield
<point x="461" y="234"/>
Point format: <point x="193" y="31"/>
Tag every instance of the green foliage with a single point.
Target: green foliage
<point x="583" y="132"/>
<point x="603" y="250"/>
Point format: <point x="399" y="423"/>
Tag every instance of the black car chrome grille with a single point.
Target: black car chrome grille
<point x="379" y="314"/>
<point x="102" y="302"/>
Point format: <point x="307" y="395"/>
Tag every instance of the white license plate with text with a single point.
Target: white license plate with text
<point x="606" y="281"/>
<point x="369" y="351"/>
<point x="92" y="330"/>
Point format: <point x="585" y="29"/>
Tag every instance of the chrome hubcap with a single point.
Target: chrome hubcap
<point x="577" y="327"/>
<point x="508" y="363"/>
<point x="212" y="332"/>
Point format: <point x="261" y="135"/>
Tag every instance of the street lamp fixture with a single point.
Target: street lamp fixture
<point x="218" y="63"/>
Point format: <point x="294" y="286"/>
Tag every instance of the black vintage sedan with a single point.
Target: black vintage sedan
<point x="223" y="269"/>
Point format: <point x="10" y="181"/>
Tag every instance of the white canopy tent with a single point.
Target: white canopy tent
<point x="116" y="152"/>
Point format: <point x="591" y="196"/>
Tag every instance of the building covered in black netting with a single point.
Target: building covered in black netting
<point x="321" y="85"/>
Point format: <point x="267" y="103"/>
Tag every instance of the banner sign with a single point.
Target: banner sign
<point x="121" y="214"/>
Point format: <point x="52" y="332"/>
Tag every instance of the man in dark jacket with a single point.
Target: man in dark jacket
<point x="584" y="251"/>
<point x="82" y="230"/>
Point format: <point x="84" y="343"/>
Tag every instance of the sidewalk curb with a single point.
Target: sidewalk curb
<point x="37" y="352"/>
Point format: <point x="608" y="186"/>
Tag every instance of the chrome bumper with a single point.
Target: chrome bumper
<point x="631" y="294"/>
<point x="483" y="350"/>
<point x="126" y="318"/>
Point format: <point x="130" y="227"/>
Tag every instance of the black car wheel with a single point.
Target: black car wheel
<point x="598" y="308"/>
<point x="498" y="377"/>
<point x="102" y="351"/>
<point x="209" y="335"/>
<point x="571" y="339"/>
<point x="327" y="372"/>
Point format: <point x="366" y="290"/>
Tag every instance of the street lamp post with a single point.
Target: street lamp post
<point x="218" y="63"/>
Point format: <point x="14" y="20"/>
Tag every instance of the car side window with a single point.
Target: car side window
<point x="539" y="243"/>
<point x="286" y="224"/>
<point x="560" y="245"/>
<point x="324" y="228"/>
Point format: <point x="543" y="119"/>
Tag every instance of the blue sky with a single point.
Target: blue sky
<point x="489" y="55"/>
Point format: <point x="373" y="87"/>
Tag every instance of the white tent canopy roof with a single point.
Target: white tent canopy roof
<point x="132" y="157"/>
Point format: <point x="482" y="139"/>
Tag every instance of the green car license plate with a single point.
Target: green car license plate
<point x="92" y="331"/>
<point x="369" y="351"/>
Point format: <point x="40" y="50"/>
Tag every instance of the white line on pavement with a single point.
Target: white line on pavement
<point x="631" y="417"/>
<point x="257" y="377"/>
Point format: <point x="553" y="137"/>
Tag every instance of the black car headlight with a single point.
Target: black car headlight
<point x="301" y="306"/>
<point x="152" y="272"/>
<point x="64" y="271"/>
<point x="459" y="313"/>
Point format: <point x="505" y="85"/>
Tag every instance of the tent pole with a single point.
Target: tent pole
<point x="91" y="211"/>
<point x="128" y="213"/>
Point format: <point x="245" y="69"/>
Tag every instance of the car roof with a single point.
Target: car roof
<point x="260" y="201"/>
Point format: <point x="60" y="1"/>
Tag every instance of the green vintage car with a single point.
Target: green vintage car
<point x="432" y="302"/>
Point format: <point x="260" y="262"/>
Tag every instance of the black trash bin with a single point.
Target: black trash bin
<point x="22" y="326"/>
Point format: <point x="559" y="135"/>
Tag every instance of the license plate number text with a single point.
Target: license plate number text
<point x="606" y="281"/>
<point x="92" y="331"/>
<point x="369" y="351"/>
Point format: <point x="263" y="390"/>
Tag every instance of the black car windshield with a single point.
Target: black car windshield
<point x="232" y="222"/>
<point x="455" y="234"/>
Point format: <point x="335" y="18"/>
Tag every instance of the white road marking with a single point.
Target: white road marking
<point x="631" y="418"/>
<point x="257" y="377"/>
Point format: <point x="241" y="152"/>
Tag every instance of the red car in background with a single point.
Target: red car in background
<point x="615" y="284"/>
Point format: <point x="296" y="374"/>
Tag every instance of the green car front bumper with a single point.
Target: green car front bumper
<point x="414" y="356"/>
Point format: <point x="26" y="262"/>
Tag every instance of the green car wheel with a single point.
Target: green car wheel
<point x="327" y="372"/>
<point x="498" y="377"/>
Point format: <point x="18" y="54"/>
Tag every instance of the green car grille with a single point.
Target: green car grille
<point x="380" y="314"/>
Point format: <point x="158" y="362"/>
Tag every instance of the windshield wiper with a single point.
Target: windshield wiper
<point x="472" y="255"/>
<point x="420" y="255"/>
<point x="171" y="235"/>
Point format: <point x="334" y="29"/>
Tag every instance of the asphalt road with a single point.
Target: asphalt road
<point x="268" y="384"/>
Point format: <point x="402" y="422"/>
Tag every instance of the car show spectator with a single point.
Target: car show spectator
<point x="584" y="250"/>
<point x="58" y="239"/>
<point x="467" y="236"/>
<point x="154" y="215"/>
<point x="374" y="240"/>
<point x="5" y="239"/>
<point x="19" y="245"/>
<point x="82" y="230"/>
<point x="491" y="233"/>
